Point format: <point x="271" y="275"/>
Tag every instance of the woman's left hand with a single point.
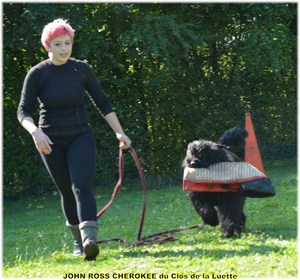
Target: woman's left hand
<point x="125" y="142"/>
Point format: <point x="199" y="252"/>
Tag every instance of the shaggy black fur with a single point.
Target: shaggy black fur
<point x="202" y="154"/>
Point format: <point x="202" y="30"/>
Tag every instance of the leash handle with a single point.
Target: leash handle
<point x="118" y="186"/>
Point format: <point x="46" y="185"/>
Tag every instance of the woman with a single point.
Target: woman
<point x="64" y="136"/>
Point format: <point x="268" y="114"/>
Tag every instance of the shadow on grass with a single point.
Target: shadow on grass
<point x="215" y="254"/>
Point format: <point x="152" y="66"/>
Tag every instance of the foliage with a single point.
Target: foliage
<point x="174" y="72"/>
<point x="267" y="249"/>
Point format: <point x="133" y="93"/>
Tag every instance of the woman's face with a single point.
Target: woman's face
<point x="61" y="49"/>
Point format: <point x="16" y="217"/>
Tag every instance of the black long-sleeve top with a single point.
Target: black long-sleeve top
<point x="60" y="91"/>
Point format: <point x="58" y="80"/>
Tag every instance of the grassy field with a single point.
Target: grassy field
<point x="36" y="242"/>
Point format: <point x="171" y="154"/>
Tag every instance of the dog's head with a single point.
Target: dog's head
<point x="202" y="154"/>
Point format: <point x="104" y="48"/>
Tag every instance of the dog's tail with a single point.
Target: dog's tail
<point x="234" y="138"/>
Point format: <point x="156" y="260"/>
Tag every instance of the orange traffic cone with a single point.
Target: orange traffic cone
<point x="252" y="154"/>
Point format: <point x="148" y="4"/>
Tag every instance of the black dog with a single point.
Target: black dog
<point x="202" y="154"/>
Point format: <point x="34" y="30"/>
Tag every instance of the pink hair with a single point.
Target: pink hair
<point x="57" y="28"/>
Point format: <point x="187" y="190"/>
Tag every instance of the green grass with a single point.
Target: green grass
<point x="36" y="242"/>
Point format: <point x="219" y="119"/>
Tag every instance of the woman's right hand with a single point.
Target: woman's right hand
<point x="41" y="141"/>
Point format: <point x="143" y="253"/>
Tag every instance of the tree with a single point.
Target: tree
<point x="174" y="73"/>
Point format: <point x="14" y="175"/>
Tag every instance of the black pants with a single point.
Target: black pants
<point x="72" y="167"/>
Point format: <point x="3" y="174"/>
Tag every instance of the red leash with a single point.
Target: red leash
<point x="147" y="239"/>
